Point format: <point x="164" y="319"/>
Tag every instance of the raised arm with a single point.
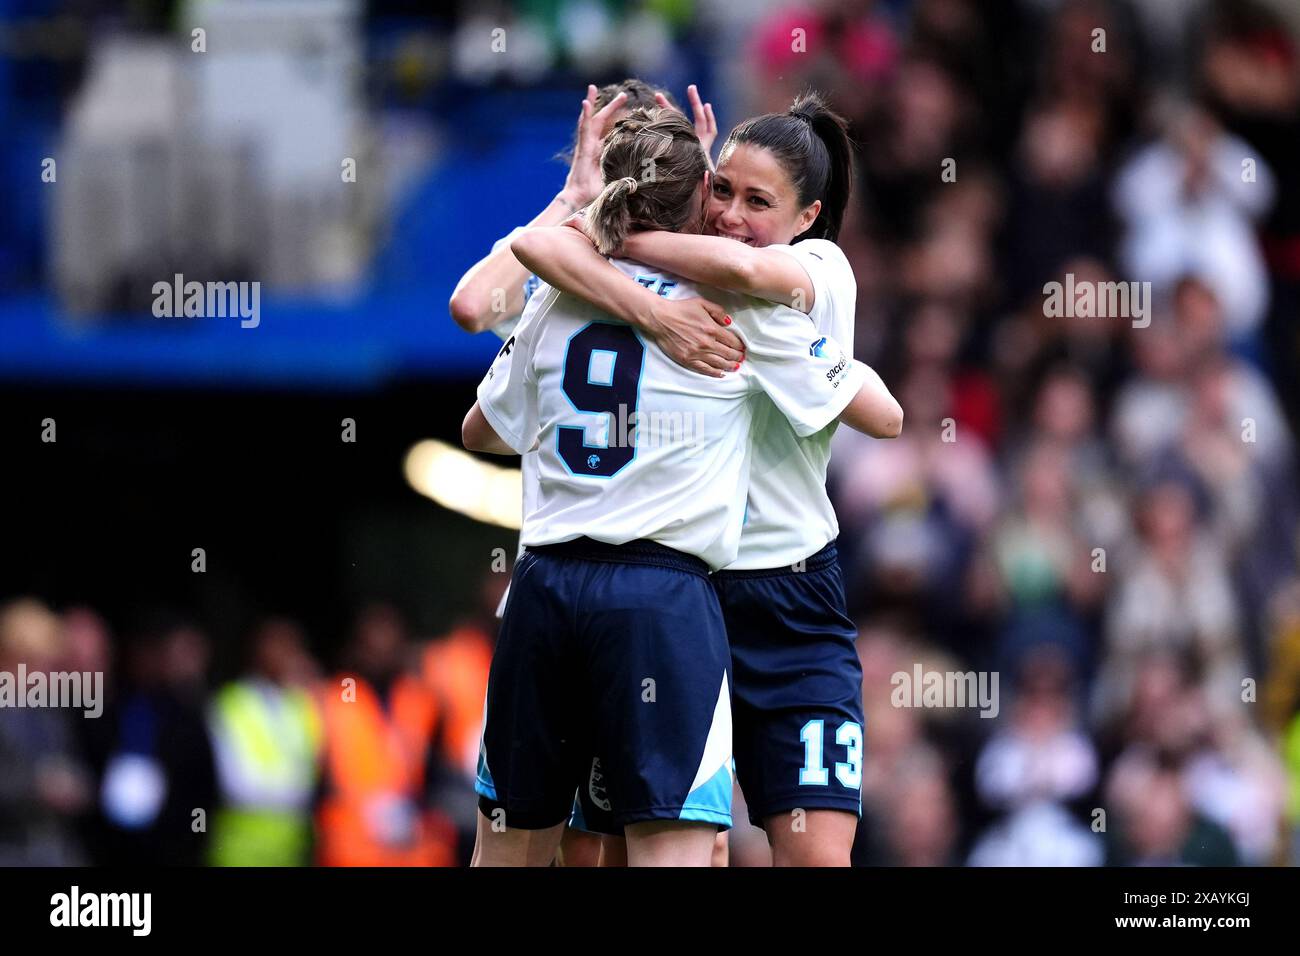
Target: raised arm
<point x="706" y="127"/>
<point x="493" y="288"/>
<point x="726" y="264"/>
<point x="476" y="304"/>
<point x="692" y="332"/>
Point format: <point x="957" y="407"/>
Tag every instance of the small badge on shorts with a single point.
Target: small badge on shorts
<point x="593" y="462"/>
<point x="596" y="786"/>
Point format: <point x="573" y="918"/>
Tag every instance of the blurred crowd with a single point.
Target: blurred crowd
<point x="1104" y="511"/>
<point x="285" y="763"/>
<point x="1101" y="510"/>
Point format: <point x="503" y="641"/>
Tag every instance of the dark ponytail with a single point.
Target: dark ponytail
<point x="812" y="144"/>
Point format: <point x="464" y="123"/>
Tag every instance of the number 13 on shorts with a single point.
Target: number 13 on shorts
<point x="848" y="771"/>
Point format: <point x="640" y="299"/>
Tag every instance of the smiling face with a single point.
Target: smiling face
<point x="754" y="200"/>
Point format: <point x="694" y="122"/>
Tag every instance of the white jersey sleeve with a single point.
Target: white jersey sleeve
<point x="810" y="378"/>
<point x="835" y="290"/>
<point x="507" y="395"/>
<point x="504" y="330"/>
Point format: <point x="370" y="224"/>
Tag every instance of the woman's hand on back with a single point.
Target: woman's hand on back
<point x="584" y="181"/>
<point x="693" y="333"/>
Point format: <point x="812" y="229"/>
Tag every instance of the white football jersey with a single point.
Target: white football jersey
<point x="632" y="446"/>
<point x="528" y="462"/>
<point x="790" y="516"/>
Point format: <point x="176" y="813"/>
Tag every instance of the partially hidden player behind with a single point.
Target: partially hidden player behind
<point x="612" y="641"/>
<point x="492" y="293"/>
<point x="782" y="185"/>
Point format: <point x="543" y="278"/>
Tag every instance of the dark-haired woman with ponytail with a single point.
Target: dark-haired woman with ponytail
<point x="778" y="199"/>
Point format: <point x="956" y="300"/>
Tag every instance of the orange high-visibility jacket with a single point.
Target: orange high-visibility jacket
<point x="374" y="761"/>
<point x="456" y="668"/>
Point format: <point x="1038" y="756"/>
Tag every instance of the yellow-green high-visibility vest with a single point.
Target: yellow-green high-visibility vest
<point x="268" y="740"/>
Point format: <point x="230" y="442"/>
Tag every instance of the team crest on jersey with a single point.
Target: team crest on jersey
<point x="818" y="348"/>
<point x="596" y="786"/>
<point x="593" y="462"/>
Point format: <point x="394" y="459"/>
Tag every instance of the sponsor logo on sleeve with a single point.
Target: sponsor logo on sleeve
<point x="836" y="373"/>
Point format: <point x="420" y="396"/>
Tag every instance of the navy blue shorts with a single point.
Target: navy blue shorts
<point x="616" y="652"/>
<point x="796" y="687"/>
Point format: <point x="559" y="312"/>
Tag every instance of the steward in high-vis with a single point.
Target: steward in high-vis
<point x="267" y="736"/>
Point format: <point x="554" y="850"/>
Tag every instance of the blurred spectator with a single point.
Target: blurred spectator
<point x="1065" y="413"/>
<point x="1058" y="208"/>
<point x="381" y="750"/>
<point x="455" y="667"/>
<point x="1229" y="775"/>
<point x="88" y="647"/>
<point x="1033" y="769"/>
<point x="919" y="815"/>
<point x="1038" y="834"/>
<point x="1154" y="824"/>
<point x="1173" y="593"/>
<point x="919" y="126"/>
<point x="1249" y="73"/>
<point x="1044" y="755"/>
<point x="1041" y="558"/>
<point x="266" y="733"/>
<point x="1164" y="403"/>
<point x="1190" y="207"/>
<point x="156" y="769"/>
<point x="904" y="777"/>
<point x="1239" y="782"/>
<point x="1150" y="710"/>
<point x="826" y="44"/>
<point x="43" y="782"/>
<point x="913" y="507"/>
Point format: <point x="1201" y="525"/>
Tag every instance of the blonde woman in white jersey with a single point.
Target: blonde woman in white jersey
<point x="779" y="195"/>
<point x="492" y="293"/>
<point x="611" y="601"/>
